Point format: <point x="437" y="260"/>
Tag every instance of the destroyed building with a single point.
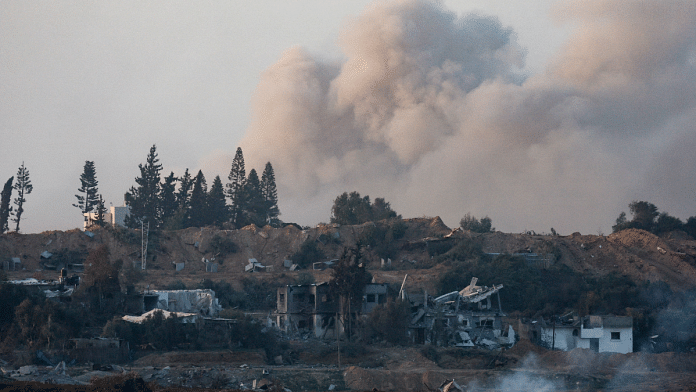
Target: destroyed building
<point x="612" y="334"/>
<point x="201" y="302"/>
<point x="313" y="308"/>
<point x="465" y="318"/>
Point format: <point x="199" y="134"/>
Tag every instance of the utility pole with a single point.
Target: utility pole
<point x="144" y="233"/>
<point x="338" y="341"/>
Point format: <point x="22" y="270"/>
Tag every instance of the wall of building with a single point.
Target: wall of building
<point x="564" y="339"/>
<point x="118" y="215"/>
<point x="623" y="345"/>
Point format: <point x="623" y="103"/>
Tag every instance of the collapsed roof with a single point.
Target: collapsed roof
<point x="471" y="293"/>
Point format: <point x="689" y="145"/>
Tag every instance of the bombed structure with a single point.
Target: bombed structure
<point x="313" y="308"/>
<point x="200" y="301"/>
<point x="465" y="318"/>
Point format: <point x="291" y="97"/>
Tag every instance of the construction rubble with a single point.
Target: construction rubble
<point x="463" y="318"/>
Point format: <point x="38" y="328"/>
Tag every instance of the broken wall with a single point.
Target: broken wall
<point x="188" y="301"/>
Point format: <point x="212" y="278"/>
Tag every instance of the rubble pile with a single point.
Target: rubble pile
<point x="463" y="318"/>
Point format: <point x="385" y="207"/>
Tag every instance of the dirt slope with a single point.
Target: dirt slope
<point x="634" y="253"/>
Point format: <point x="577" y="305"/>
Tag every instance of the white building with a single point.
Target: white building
<point x="116" y="216"/>
<point x="613" y="334"/>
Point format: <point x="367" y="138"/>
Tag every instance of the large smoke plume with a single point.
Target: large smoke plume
<point x="429" y="110"/>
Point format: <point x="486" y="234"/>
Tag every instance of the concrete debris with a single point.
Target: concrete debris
<point x="60" y="368"/>
<point x="29" y="369"/>
<point x="67" y="292"/>
<point x="255" y="266"/>
<point x="182" y="317"/>
<point x="322" y="265"/>
<point x="450" y="386"/>
<point x="46" y="254"/>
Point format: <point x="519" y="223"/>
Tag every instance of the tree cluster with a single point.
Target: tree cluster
<point x="158" y="203"/>
<point x="22" y="184"/>
<point x="483" y="225"/>
<point x="352" y="209"/>
<point x="252" y="200"/>
<point x="645" y="216"/>
<point x="30" y="320"/>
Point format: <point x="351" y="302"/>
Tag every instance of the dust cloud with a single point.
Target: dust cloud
<point x="430" y="110"/>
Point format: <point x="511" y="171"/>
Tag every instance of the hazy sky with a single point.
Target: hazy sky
<point x="542" y="114"/>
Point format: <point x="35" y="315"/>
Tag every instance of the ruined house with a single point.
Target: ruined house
<point x="613" y="334"/>
<point x="465" y="318"/>
<point x="313" y="308"/>
<point x="201" y="302"/>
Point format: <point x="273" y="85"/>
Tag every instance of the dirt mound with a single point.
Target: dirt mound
<point x="637" y="238"/>
<point x="425" y="227"/>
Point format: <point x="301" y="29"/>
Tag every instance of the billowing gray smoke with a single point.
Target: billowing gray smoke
<point x="427" y="111"/>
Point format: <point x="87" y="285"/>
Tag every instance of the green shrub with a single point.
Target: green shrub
<point x="390" y="322"/>
<point x="469" y="222"/>
<point x="223" y="246"/>
<point x="308" y="254"/>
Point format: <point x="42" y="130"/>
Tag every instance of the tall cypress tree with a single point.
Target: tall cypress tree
<point x="217" y="204"/>
<point x="100" y="212"/>
<point x="5" y="207"/>
<point x="143" y="200"/>
<point x="235" y="188"/>
<point x="255" y="211"/>
<point x="168" y="202"/>
<point x="87" y="199"/>
<point x="199" y="205"/>
<point x="269" y="194"/>
<point x="23" y="187"/>
<point x="184" y="193"/>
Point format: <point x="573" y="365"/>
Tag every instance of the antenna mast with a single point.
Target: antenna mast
<point x="144" y="231"/>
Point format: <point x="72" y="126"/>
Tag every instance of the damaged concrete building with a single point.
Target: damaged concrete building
<point x="612" y="334"/>
<point x="465" y="318"/>
<point x="313" y="308"/>
<point x="199" y="301"/>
